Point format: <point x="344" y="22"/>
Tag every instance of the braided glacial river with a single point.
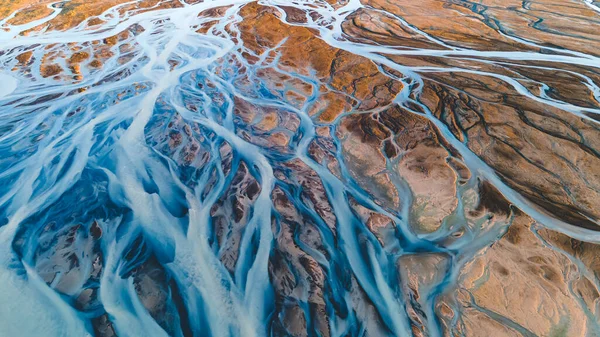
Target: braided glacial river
<point x="300" y="168"/>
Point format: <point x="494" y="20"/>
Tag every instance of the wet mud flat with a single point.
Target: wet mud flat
<point x="309" y="168"/>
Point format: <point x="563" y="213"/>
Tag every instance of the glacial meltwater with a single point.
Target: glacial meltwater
<point x="322" y="168"/>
